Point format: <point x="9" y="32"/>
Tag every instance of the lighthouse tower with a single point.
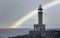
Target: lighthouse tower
<point x="40" y="26"/>
<point x="40" y="15"/>
<point x="39" y="29"/>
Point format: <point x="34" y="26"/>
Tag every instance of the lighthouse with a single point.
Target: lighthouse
<point x="40" y="26"/>
<point x="40" y="15"/>
<point x="39" y="29"/>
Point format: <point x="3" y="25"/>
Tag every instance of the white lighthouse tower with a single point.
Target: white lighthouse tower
<point x="39" y="29"/>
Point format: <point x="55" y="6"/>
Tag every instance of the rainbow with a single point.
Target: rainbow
<point x="31" y="14"/>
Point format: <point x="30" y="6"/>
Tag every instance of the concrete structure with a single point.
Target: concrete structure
<point x="39" y="29"/>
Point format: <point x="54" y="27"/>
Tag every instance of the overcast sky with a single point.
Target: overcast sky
<point x="12" y="10"/>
